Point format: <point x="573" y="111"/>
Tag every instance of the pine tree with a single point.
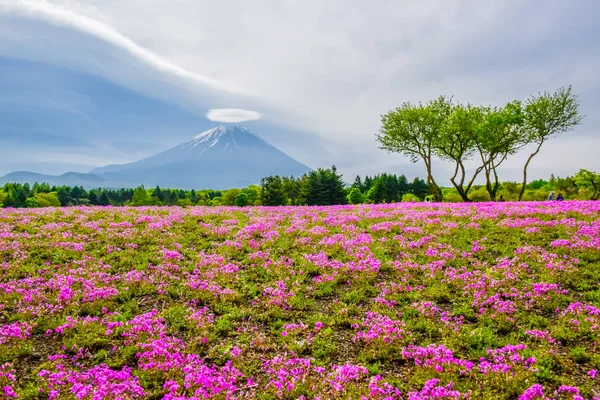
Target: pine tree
<point x="93" y="197"/>
<point x="158" y="193"/>
<point x="419" y="188"/>
<point x="193" y="197"/>
<point x="104" y="200"/>
<point x="367" y="184"/>
<point x="377" y="192"/>
<point x="403" y="186"/>
<point x="272" y="192"/>
<point x="64" y="195"/>
<point x="358" y="183"/>
<point x="325" y="187"/>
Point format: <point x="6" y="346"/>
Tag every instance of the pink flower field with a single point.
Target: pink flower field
<point x="398" y="301"/>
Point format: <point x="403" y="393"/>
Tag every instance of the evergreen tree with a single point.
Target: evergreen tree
<point x="292" y="189"/>
<point x="104" y="200"/>
<point x="78" y="193"/>
<point x="325" y="187"/>
<point x="272" y="191"/>
<point x="419" y="188"/>
<point x="9" y="201"/>
<point x="193" y="197"/>
<point x="158" y="193"/>
<point x="93" y="198"/>
<point x="403" y="186"/>
<point x="358" y="183"/>
<point x="64" y="195"/>
<point x="367" y="184"/>
<point x="27" y="190"/>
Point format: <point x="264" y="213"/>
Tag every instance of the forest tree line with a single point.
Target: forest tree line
<point x="320" y="187"/>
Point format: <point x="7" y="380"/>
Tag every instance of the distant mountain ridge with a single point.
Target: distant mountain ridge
<point x="220" y="158"/>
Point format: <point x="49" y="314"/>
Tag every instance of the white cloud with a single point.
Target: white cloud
<point x="232" y="115"/>
<point x="333" y="68"/>
<point x="64" y="17"/>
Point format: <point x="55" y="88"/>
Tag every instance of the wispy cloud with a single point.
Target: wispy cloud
<point x="41" y="9"/>
<point x="232" y="115"/>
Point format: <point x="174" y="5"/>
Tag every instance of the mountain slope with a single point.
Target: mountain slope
<point x="220" y="158"/>
<point x="69" y="179"/>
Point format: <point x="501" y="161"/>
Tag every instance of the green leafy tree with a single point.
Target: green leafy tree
<point x="241" y="200"/>
<point x="409" y="198"/>
<point x="498" y="136"/>
<point x="376" y="194"/>
<point x="8" y="201"/>
<point x="480" y="194"/>
<point x="47" y="199"/>
<point x="31" y="202"/>
<point x="456" y="143"/>
<point x="510" y="190"/>
<point x="140" y="197"/>
<point x="230" y="196"/>
<point x="355" y="196"/>
<point x="414" y="130"/>
<point x="538" y="184"/>
<point x="253" y="193"/>
<point x="547" y="115"/>
<point x="589" y="180"/>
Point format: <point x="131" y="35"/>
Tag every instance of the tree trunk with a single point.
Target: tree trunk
<point x="489" y="187"/>
<point x="525" y="169"/>
<point x="492" y="189"/>
<point x="460" y="190"/>
<point x="435" y="189"/>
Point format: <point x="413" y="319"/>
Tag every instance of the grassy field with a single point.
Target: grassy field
<point x="399" y="301"/>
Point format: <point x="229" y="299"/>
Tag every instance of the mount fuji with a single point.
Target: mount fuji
<point x="220" y="158"/>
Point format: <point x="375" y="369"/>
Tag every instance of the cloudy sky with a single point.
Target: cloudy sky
<point x="87" y="83"/>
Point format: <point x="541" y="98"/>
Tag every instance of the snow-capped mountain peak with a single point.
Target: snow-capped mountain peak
<point x="222" y="157"/>
<point x="224" y="138"/>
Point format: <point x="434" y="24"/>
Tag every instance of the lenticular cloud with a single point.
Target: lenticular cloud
<point x="232" y="115"/>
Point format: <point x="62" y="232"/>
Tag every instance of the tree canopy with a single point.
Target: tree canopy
<point x="481" y="136"/>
